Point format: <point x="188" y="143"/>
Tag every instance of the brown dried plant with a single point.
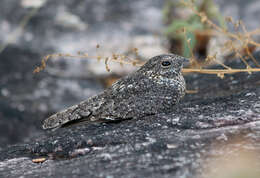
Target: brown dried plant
<point x="119" y="58"/>
<point x="240" y="43"/>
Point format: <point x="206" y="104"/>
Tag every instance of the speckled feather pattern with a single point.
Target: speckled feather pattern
<point x="155" y="88"/>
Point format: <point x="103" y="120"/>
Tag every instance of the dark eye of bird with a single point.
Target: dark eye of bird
<point x="166" y="63"/>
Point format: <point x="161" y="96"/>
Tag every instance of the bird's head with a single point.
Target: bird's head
<point x="166" y="66"/>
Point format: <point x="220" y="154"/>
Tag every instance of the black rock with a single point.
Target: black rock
<point x="221" y="120"/>
<point x="166" y="145"/>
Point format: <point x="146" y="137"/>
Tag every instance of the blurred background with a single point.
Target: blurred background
<point x="32" y="29"/>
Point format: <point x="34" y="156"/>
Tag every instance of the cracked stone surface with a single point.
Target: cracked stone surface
<point x="26" y="99"/>
<point x="180" y="144"/>
<point x="220" y="121"/>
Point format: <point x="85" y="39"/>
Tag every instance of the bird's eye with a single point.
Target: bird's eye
<point x="166" y="63"/>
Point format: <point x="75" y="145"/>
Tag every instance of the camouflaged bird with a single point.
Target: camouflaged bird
<point x="155" y="88"/>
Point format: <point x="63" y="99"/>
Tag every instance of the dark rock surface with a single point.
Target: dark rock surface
<point x="26" y="99"/>
<point x="59" y="27"/>
<point x="112" y="24"/>
<point x="180" y="144"/>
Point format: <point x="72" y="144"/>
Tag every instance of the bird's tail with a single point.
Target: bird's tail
<point x="72" y="114"/>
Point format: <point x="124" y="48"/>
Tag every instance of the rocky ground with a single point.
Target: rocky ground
<point x="181" y="144"/>
<point x="220" y="122"/>
<point x="63" y="27"/>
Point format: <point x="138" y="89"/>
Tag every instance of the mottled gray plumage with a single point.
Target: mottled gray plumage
<point x="155" y="88"/>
